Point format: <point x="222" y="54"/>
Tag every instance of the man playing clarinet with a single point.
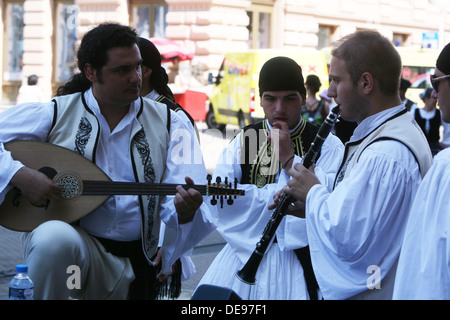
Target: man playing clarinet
<point x="355" y="231"/>
<point x="258" y="158"/>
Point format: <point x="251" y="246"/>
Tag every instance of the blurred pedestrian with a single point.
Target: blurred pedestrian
<point x="30" y="92"/>
<point x="429" y="120"/>
<point x="315" y="110"/>
<point x="408" y="103"/>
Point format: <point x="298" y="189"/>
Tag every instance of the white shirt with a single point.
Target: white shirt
<point x="242" y="228"/>
<point x="424" y="266"/>
<point x="280" y="275"/>
<point x="119" y="217"/>
<point x="357" y="229"/>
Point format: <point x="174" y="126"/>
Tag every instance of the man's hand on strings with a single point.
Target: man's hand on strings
<point x="187" y="202"/>
<point x="36" y="186"/>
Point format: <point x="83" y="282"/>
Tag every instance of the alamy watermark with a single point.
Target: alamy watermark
<point x="183" y="153"/>
<point x="72" y="12"/>
<point x="74" y="279"/>
<point x="374" y="280"/>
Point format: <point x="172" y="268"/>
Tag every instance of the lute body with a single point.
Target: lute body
<point x="84" y="187"/>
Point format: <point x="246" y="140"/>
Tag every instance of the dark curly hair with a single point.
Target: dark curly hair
<point x="94" y="49"/>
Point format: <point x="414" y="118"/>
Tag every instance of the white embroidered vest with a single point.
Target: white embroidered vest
<point x="148" y="149"/>
<point x="403" y="128"/>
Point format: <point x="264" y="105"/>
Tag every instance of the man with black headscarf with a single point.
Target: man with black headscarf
<point x="424" y="266"/>
<point x="155" y="79"/>
<point x="155" y="87"/>
<point x="258" y="158"/>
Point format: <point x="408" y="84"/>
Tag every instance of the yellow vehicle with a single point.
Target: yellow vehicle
<point x="235" y="96"/>
<point x="418" y="64"/>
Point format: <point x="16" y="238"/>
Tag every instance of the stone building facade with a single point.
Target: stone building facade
<point x="40" y="36"/>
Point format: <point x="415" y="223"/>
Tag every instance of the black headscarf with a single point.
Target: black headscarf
<point x="152" y="59"/>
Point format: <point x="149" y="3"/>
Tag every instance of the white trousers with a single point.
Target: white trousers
<point x="65" y="262"/>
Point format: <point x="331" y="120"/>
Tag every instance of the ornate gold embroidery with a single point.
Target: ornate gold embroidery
<point x="264" y="166"/>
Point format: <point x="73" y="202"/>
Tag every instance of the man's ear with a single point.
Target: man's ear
<point x="367" y="82"/>
<point x="146" y="72"/>
<point x="303" y="96"/>
<point x="90" y="72"/>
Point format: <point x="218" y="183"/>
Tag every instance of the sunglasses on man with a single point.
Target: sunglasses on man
<point x="435" y="81"/>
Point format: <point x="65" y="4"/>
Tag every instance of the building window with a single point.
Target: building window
<point x="399" y="39"/>
<point x="13" y="49"/>
<point x="149" y="18"/>
<point x="325" y="36"/>
<point x="64" y="41"/>
<point x="260" y="27"/>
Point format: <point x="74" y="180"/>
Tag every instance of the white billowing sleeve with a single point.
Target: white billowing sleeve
<point x="423" y="271"/>
<point x="184" y="159"/>
<point x="291" y="233"/>
<point x="361" y="223"/>
<point x="27" y="121"/>
<point x="243" y="223"/>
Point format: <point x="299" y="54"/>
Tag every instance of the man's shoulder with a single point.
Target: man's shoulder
<point x="255" y="126"/>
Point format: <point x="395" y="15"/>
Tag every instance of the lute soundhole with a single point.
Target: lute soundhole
<point x="71" y="185"/>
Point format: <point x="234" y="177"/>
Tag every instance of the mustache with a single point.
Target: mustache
<point x="133" y="87"/>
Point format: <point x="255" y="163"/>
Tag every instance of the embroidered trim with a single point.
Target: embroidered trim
<point x="265" y="167"/>
<point x="143" y="149"/>
<point x="83" y="135"/>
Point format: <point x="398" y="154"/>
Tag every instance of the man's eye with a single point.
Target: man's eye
<point x="122" y="70"/>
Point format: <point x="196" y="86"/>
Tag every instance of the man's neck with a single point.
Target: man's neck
<point x="113" y="116"/>
<point x="146" y="88"/>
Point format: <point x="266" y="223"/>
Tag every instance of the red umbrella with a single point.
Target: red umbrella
<point x="170" y="50"/>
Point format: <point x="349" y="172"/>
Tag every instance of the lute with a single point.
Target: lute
<point x="84" y="187"/>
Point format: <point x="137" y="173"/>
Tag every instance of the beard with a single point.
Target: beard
<point x="353" y="109"/>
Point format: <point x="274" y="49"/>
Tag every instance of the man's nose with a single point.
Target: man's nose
<point x="136" y="75"/>
<point x="331" y="90"/>
<point x="434" y="94"/>
<point x="279" y="105"/>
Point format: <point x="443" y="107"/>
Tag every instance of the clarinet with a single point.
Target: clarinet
<point x="248" y="272"/>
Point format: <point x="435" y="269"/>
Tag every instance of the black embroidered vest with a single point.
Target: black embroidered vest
<point x="258" y="164"/>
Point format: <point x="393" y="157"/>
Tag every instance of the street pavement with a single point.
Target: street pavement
<point x="203" y="254"/>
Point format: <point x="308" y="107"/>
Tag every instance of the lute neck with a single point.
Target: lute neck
<point x="134" y="188"/>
